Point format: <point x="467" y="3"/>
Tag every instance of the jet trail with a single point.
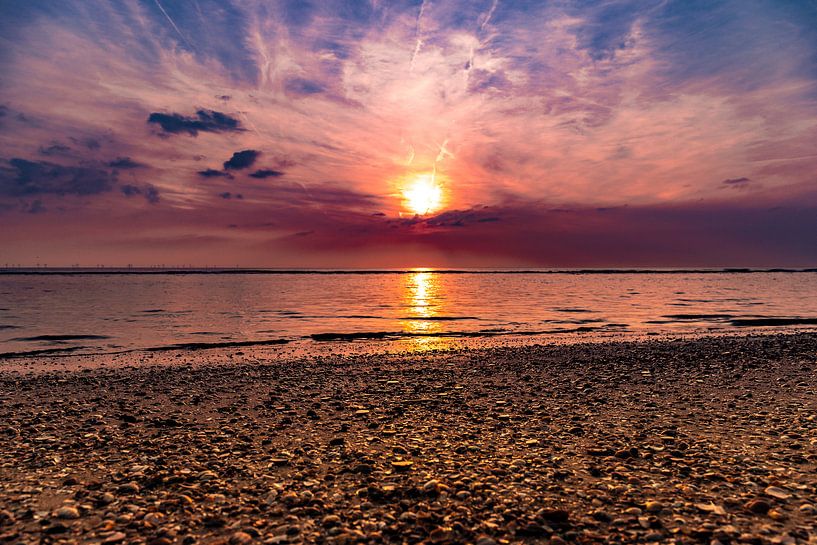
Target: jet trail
<point x="179" y="32"/>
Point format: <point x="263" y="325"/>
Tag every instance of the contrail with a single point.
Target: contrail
<point x="440" y="156"/>
<point x="419" y="42"/>
<point x="179" y="32"/>
<point x="488" y="15"/>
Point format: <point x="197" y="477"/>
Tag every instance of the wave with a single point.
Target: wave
<point x="395" y="335"/>
<point x="62" y="352"/>
<point x="42" y="352"/>
<point x="225" y="344"/>
<point x="770" y="321"/>
<point x="58" y="338"/>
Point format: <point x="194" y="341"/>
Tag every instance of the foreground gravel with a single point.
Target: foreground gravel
<point x="705" y="441"/>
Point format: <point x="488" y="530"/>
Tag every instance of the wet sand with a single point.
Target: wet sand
<point x="691" y="441"/>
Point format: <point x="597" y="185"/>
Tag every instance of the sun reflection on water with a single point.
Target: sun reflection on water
<point x="422" y="301"/>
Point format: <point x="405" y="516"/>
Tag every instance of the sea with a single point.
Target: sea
<point x="79" y="311"/>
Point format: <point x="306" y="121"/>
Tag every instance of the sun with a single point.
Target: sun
<point x="423" y="194"/>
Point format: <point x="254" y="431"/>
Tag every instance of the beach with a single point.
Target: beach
<point x="706" y="440"/>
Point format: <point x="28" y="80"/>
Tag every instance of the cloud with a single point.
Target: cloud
<point x="242" y="159"/>
<point x="130" y="190"/>
<point x="55" y="148"/>
<point x="149" y="191"/>
<point x="34" y="207"/>
<point x="737" y="182"/>
<point x="88" y="142"/>
<point x="204" y="121"/>
<point x="152" y="194"/>
<point x="124" y="163"/>
<point x="266" y="173"/>
<point x="485" y="81"/>
<point x="227" y="195"/>
<point x="213" y="173"/>
<point x="39" y="178"/>
<point x="303" y="87"/>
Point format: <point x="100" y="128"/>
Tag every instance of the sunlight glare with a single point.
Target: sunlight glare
<point x="423" y="195"/>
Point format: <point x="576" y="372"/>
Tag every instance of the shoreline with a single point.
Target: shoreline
<point x="675" y="441"/>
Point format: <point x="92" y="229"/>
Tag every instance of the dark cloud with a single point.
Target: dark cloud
<point x="242" y="159"/>
<point x="130" y="190"/>
<point x="304" y="87"/>
<point x="228" y="195"/>
<point x="213" y="173"/>
<point x="737" y="182"/>
<point x="40" y="177"/>
<point x="35" y="207"/>
<point x="266" y="173"/>
<point x="55" y="148"/>
<point x="204" y="121"/>
<point x="150" y="192"/>
<point x="90" y="143"/>
<point x="124" y="163"/>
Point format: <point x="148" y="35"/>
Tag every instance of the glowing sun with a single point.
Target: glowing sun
<point x="423" y="194"/>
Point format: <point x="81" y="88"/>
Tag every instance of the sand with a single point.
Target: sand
<point x="689" y="441"/>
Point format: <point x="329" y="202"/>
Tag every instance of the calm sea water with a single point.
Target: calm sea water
<point x="84" y="313"/>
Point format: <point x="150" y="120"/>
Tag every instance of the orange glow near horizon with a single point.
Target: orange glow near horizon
<point x="423" y="194"/>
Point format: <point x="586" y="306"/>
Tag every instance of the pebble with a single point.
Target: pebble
<point x="240" y="538"/>
<point x="115" y="537"/>
<point x="273" y="453"/>
<point x="67" y="513"/>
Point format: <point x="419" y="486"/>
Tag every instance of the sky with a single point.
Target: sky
<point x="340" y="133"/>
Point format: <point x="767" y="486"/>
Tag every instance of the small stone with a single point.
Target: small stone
<point x="777" y="492"/>
<point x="553" y="515"/>
<point x="115" y="537"/>
<point x="653" y="506"/>
<point x="154" y="519"/>
<point x="336" y="441"/>
<point x="330" y="520"/>
<point x="67" y="513"/>
<point x="279" y="462"/>
<point x="7" y="517"/>
<point x="206" y="476"/>
<point x="107" y="498"/>
<point x="776" y="514"/>
<point x="711" y="508"/>
<point x="402" y="465"/>
<point x="758" y="506"/>
<point x="56" y="528"/>
<point x="240" y="538"/>
<point x="485" y="540"/>
<point x="129" y="488"/>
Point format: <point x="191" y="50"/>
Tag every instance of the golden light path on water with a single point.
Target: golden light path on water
<point x="422" y="298"/>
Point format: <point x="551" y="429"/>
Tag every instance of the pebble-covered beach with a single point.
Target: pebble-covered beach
<point x="690" y="441"/>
